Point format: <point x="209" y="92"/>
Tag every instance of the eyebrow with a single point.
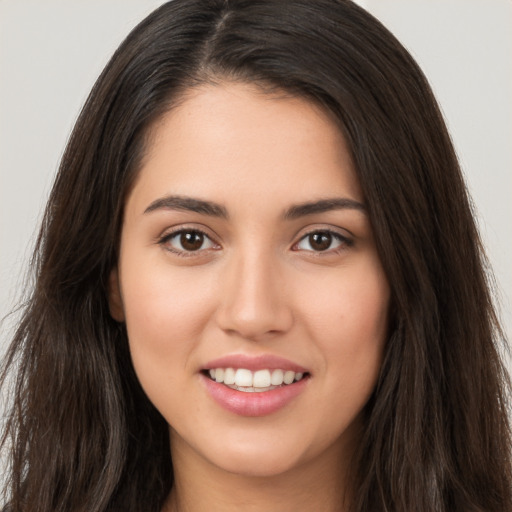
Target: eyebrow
<point x="216" y="210"/>
<point x="188" y="204"/>
<point x="323" y="205"/>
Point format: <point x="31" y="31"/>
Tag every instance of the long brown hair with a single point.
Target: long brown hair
<point x="81" y="434"/>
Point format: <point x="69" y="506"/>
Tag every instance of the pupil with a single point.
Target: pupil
<point x="191" y="241"/>
<point x="320" y="241"/>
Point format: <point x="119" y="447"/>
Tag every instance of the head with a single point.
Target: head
<point x="329" y="54"/>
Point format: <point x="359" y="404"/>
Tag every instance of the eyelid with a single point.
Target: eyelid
<point x="346" y="240"/>
<point x="176" y="230"/>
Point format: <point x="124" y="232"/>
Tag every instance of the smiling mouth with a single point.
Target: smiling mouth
<point x="258" y="381"/>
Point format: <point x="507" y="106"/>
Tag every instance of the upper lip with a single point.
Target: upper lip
<point x="254" y="363"/>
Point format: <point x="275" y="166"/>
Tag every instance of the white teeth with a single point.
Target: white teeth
<point x="277" y="377"/>
<point x="288" y="377"/>
<point x="260" y="380"/>
<point x="243" y="377"/>
<point x="229" y="376"/>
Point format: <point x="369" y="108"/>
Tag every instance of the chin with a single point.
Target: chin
<point x="257" y="465"/>
<point x="256" y="458"/>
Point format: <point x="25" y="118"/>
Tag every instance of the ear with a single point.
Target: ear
<point x="115" y="302"/>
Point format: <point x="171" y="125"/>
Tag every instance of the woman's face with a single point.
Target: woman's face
<point x="247" y="254"/>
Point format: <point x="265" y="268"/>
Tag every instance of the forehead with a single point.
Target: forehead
<point x="235" y="137"/>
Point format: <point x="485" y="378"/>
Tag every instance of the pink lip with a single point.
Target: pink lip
<point x="258" y="403"/>
<point x="253" y="363"/>
<point x="252" y="404"/>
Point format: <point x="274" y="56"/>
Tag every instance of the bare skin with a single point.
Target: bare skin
<point x="295" y="491"/>
<point x="246" y="235"/>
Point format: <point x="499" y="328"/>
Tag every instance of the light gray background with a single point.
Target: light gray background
<point x="51" y="52"/>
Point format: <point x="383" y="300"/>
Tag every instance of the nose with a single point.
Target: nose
<point x="254" y="303"/>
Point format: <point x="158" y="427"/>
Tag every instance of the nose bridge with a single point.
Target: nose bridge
<point x="253" y="296"/>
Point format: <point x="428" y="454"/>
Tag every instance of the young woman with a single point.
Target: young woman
<point x="259" y="284"/>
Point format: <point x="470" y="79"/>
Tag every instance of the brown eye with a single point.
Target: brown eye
<point x="187" y="241"/>
<point x="320" y="241"/>
<point x="191" y="240"/>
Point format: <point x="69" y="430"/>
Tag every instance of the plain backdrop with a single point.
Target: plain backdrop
<point x="51" y="52"/>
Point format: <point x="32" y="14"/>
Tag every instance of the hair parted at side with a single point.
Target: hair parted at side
<point x="81" y="433"/>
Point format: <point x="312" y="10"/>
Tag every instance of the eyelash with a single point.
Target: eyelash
<point x="344" y="242"/>
<point x="164" y="241"/>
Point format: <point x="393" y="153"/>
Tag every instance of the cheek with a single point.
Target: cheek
<point x="164" y="300"/>
<point x="351" y="306"/>
<point x="165" y="312"/>
<point x="349" y="323"/>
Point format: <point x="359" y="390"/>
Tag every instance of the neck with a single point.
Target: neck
<point x="319" y="485"/>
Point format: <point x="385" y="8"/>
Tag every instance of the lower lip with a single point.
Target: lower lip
<point x="253" y="404"/>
